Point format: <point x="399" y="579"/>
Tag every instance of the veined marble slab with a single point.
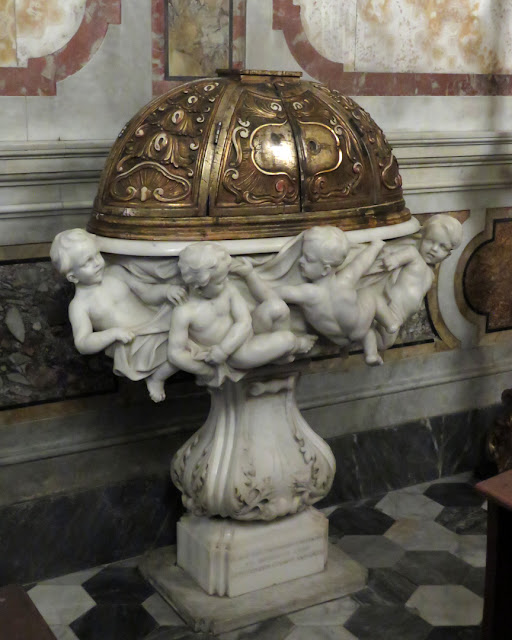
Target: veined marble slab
<point x="198" y="37"/>
<point x="437" y="36"/>
<point x="32" y="29"/>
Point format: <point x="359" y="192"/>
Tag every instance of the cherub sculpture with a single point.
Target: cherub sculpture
<point x="331" y="301"/>
<point x="212" y="333"/>
<point x="411" y="262"/>
<point x="113" y="311"/>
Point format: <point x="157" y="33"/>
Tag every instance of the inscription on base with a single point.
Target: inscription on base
<point x="264" y="559"/>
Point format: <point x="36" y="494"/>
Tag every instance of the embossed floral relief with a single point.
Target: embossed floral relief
<point x="160" y="160"/>
<point x="261" y="165"/>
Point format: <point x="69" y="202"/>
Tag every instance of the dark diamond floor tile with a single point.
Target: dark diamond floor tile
<point x="387" y="623"/>
<point x="120" y="621"/>
<point x="390" y="586"/>
<point x="367" y="596"/>
<point x="454" y="494"/>
<point x="455" y="633"/>
<point x="464" y="520"/>
<point x="432" y="567"/>
<point x="359" y="520"/>
<point x="118" y="585"/>
<point x="177" y="633"/>
<point x="475" y="580"/>
<point x="275" y="629"/>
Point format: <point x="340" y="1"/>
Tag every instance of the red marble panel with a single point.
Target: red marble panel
<point x="41" y="75"/>
<point x="487" y="279"/>
<point x="286" y="18"/>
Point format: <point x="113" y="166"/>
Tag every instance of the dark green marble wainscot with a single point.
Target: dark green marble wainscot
<point x="38" y="361"/>
<point x="68" y="531"/>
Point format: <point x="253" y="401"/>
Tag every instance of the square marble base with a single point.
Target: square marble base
<point x="216" y="614"/>
<point x="229" y="557"/>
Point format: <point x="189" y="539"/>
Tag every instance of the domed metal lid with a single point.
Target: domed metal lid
<point x="248" y="154"/>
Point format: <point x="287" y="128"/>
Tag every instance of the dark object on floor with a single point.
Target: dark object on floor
<point x="497" y="620"/>
<point x="499" y="440"/>
<point x="19" y="618"/>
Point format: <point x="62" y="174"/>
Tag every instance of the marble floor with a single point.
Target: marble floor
<point x="424" y="547"/>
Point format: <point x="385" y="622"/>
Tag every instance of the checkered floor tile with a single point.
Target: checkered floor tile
<point x="424" y="548"/>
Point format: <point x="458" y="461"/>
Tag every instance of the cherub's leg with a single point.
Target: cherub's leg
<point x="155" y="382"/>
<point x="267" y="347"/>
<point x="271" y="315"/>
<point x="371" y="354"/>
<point x="385" y="316"/>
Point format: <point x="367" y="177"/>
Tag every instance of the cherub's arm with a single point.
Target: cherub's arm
<point x="87" y="340"/>
<point x="239" y="331"/>
<point x="298" y="293"/>
<point x="260" y="289"/>
<point x="354" y="271"/>
<point x="154" y="293"/>
<point x="178" y="350"/>
<point x="399" y="257"/>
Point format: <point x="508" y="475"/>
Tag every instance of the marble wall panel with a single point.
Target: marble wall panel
<point x="330" y="26"/>
<point x="54" y="39"/>
<point x="13" y="118"/>
<point x="45" y="27"/>
<point x="377" y="461"/>
<point x="96" y="102"/>
<point x="60" y="529"/>
<point x="395" y="47"/>
<point x="453" y="36"/>
<point x="38" y="360"/>
<point x="483" y="280"/>
<point x="195" y="38"/>
<point x="198" y="37"/>
<point x="487" y="278"/>
<point x="8" y="56"/>
<point x="59" y="534"/>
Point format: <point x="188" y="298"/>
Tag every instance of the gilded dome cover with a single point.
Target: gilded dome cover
<point x="248" y="154"/>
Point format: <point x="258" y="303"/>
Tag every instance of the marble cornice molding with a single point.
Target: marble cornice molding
<point x="434" y="162"/>
<point x="46" y="163"/>
<point x="47" y="182"/>
<point x="406" y="382"/>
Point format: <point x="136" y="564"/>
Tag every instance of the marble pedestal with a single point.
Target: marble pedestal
<point x="227" y="557"/>
<point x="215" y="614"/>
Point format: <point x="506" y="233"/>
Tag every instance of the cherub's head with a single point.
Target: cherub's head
<point x="75" y="255"/>
<point x="204" y="268"/>
<point x="323" y="249"/>
<point x="441" y="234"/>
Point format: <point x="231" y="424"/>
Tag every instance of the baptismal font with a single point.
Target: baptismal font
<point x="244" y="225"/>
